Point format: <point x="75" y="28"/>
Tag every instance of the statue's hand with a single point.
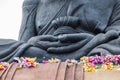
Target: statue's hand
<point x="46" y="41"/>
<point x="47" y="44"/>
<point x="77" y="41"/>
<point x="76" y="37"/>
<point x="36" y="39"/>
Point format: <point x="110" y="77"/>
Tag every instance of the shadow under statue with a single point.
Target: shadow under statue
<point x="65" y="29"/>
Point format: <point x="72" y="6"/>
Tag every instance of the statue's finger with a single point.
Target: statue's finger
<point x="74" y="37"/>
<point x="48" y="38"/>
<point x="67" y="49"/>
<point x="46" y="44"/>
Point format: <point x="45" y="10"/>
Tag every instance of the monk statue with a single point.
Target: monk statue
<point x="65" y="29"/>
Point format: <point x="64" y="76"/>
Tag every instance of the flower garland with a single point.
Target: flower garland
<point x="90" y="64"/>
<point x="93" y="63"/>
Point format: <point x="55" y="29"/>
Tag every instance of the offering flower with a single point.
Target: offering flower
<point x="95" y="62"/>
<point x="45" y="61"/>
<point x="89" y="67"/>
<point x="71" y="62"/>
<point x="26" y="62"/>
<point x="3" y="65"/>
<point x="52" y="60"/>
<point x="109" y="65"/>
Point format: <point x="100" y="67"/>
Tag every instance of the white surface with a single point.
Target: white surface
<point x="10" y="18"/>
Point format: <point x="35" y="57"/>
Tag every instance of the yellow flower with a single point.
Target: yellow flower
<point x="1" y="66"/>
<point x="53" y="60"/>
<point x="35" y="64"/>
<point x="82" y="58"/>
<point x="70" y="64"/>
<point x="31" y="59"/>
<point x="87" y="59"/>
<point x="104" y="67"/>
<point x="89" y="67"/>
<point x="110" y="66"/>
<point x="107" y="66"/>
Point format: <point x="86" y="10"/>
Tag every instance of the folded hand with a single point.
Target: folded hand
<point x="76" y="41"/>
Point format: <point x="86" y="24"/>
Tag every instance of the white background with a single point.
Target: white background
<point x="10" y="18"/>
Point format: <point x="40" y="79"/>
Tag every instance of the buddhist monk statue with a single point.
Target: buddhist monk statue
<point x="65" y="29"/>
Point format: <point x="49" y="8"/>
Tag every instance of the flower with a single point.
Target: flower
<point x="54" y="60"/>
<point x="89" y="67"/>
<point x="26" y="62"/>
<point x="92" y="63"/>
<point x="109" y="65"/>
<point x="71" y="62"/>
<point x="3" y="65"/>
<point x="104" y="67"/>
<point x="45" y="61"/>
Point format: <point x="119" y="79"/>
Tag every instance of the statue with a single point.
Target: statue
<point x="65" y="29"/>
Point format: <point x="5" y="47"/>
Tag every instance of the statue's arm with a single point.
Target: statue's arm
<point x="114" y="22"/>
<point x="27" y="29"/>
<point x="113" y="46"/>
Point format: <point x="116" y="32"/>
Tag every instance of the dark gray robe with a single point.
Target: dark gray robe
<point x="100" y="18"/>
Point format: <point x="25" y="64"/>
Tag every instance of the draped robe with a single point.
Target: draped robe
<point x="101" y="18"/>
